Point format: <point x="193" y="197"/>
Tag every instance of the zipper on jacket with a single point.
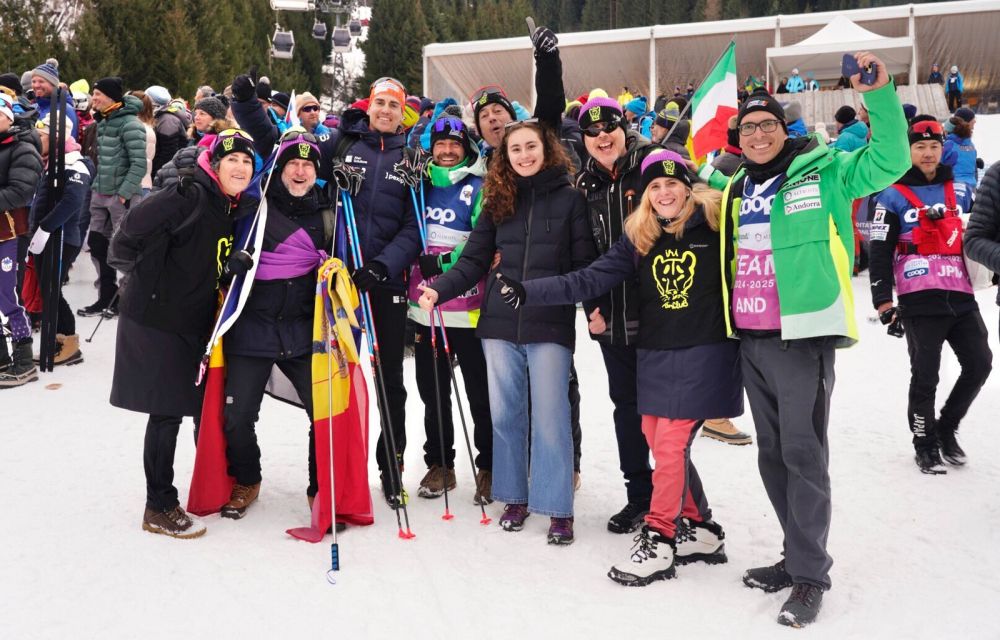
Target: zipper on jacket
<point x="524" y="262"/>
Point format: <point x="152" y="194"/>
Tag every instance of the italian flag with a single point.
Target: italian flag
<point x="713" y="104"/>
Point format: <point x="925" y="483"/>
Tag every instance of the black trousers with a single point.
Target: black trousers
<point x="389" y="314"/>
<point x="469" y="351"/>
<point x="99" y="245"/>
<point x="66" y="323"/>
<point x="633" y="451"/>
<point x="925" y="335"/>
<point x="246" y="377"/>
<point x="954" y="100"/>
<point x="158" y="461"/>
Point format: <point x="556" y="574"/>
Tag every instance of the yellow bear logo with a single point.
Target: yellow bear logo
<point x="303" y="150"/>
<point x="595" y="113"/>
<point x="669" y="168"/>
<point x="674" y="276"/>
<point x="228" y="143"/>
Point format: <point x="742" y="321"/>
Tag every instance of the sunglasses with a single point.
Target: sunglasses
<point x="598" y="128"/>
<point x="310" y="108"/>
<point x="767" y="126"/>
<point x="517" y="123"/>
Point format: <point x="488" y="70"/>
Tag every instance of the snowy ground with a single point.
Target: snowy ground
<point x="915" y="555"/>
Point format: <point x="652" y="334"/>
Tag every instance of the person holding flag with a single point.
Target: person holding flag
<point x="173" y="246"/>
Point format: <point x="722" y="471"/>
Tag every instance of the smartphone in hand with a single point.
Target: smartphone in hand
<point x="849" y="67"/>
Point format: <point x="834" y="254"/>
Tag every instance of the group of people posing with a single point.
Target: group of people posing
<point x="698" y="286"/>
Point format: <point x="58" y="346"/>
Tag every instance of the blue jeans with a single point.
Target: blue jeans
<point x="549" y="490"/>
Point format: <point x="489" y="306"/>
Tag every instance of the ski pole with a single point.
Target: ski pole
<point x="105" y="314"/>
<point x="330" y="337"/>
<point x="374" y="354"/>
<point x="447" y="350"/>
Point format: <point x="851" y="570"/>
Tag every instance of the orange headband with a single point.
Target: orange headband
<point x="391" y="86"/>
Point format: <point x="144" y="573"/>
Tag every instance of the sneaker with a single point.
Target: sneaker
<point x="92" y="310"/>
<point x="240" y="500"/>
<point x="513" y="517"/>
<point x="929" y="461"/>
<point x="700" y="542"/>
<point x="436" y="481"/>
<point x="175" y="523"/>
<point x="950" y="449"/>
<point x="484" y="487"/>
<point x="802" y="606"/>
<point x="629" y="518"/>
<point x="652" y="559"/>
<point x="561" y="530"/>
<point x="393" y="499"/>
<point x="723" y="430"/>
<point x="770" y="579"/>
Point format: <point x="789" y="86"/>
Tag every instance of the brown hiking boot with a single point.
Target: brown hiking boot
<point x="433" y="484"/>
<point x="484" y="487"/>
<point x="68" y="350"/>
<point x="723" y="430"/>
<point x="175" y="523"/>
<point x="241" y="498"/>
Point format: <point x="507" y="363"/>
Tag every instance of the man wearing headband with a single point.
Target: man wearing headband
<point x="916" y="248"/>
<point x="788" y="212"/>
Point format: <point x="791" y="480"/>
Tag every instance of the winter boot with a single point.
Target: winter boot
<point x="724" y="430"/>
<point x="239" y="500"/>
<point x="92" y="310"/>
<point x="802" y="606"/>
<point x="929" y="461"/>
<point x="4" y="353"/>
<point x="652" y="559"/>
<point x="950" y="449"/>
<point x="175" y="523"/>
<point x="341" y="526"/>
<point x="484" y="487"/>
<point x="434" y="483"/>
<point x="68" y="350"/>
<point x="629" y="518"/>
<point x="561" y="530"/>
<point x="393" y="499"/>
<point x="700" y="542"/>
<point x="513" y="517"/>
<point x="22" y="369"/>
<point x="770" y="579"/>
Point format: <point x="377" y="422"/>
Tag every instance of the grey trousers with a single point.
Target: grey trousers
<point x="789" y="384"/>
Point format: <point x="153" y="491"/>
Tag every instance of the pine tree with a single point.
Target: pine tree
<point x="596" y="15"/>
<point x="28" y="35"/>
<point x="395" y="43"/>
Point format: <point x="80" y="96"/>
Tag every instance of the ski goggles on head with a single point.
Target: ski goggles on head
<point x="926" y="130"/>
<point x="442" y="125"/>
<point x="298" y="134"/>
<point x="517" y="123"/>
<point x="603" y="126"/>
<point x="297" y="143"/>
<point x="231" y="141"/>
<point x="484" y="93"/>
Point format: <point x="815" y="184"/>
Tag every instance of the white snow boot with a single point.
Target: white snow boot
<point x="652" y="559"/>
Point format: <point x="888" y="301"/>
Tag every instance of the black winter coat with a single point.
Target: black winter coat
<point x="184" y="160"/>
<point x="686" y="365"/>
<point x="20" y="167"/>
<point x="611" y="197"/>
<point x="277" y="321"/>
<point x="982" y="237"/>
<point x="171" y="135"/>
<point x="547" y="235"/>
<point x="172" y="246"/>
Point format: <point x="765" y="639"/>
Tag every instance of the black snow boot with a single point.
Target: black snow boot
<point x="950" y="449"/>
<point x="4" y="353"/>
<point x="629" y="518"/>
<point x="802" y="606"/>
<point x="929" y="461"/>
<point x="769" y="579"/>
<point x="22" y="369"/>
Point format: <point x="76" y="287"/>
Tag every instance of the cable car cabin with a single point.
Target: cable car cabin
<point x="282" y="44"/>
<point x="341" y="40"/>
<point x="319" y="30"/>
<point x="354" y="26"/>
<point x="292" y="5"/>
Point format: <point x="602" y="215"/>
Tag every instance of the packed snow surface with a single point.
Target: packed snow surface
<point x="915" y="556"/>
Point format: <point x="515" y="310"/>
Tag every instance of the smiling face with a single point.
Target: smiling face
<point x="926" y="156"/>
<point x="760" y="146"/>
<point x="309" y="115"/>
<point x="235" y="172"/>
<point x="99" y="101"/>
<point x="298" y="176"/>
<point x="525" y="151"/>
<point x="606" y="147"/>
<point x="491" y="121"/>
<point x="385" y="113"/>
<point x="667" y="197"/>
<point x="202" y="120"/>
<point x="448" y="153"/>
<point x="41" y="87"/>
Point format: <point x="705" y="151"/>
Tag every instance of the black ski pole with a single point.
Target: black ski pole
<point x="440" y="419"/>
<point x="105" y="314"/>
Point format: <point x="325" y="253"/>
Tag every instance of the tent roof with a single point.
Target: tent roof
<point x="822" y="52"/>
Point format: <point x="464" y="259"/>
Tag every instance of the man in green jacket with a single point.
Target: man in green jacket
<point x="121" y="165"/>
<point x="788" y="213"/>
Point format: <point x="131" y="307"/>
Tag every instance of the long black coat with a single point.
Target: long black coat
<point x="982" y="237"/>
<point x="172" y="246"/>
<point x="548" y="235"/>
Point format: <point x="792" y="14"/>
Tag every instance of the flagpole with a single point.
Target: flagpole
<point x="732" y="43"/>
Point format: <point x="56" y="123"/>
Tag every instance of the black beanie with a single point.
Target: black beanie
<point x="924" y="127"/>
<point x="761" y="100"/>
<point x="112" y="87"/>
<point x="492" y="96"/>
<point x="845" y="114"/>
<point x="12" y="82"/>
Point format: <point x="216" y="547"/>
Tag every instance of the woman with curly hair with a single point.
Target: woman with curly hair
<point x="535" y="225"/>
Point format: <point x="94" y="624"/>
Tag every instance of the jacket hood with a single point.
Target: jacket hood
<point x="856" y="128"/>
<point x="681" y="132"/>
<point x="475" y="165"/>
<point x="131" y="106"/>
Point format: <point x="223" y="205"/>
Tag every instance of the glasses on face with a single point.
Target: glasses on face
<point x="482" y="92"/>
<point x="452" y="123"/>
<point x="598" y="128"/>
<point x="517" y="123"/>
<point x="310" y="108"/>
<point x="767" y="126"/>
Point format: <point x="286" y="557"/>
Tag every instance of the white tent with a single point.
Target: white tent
<point x="821" y="53"/>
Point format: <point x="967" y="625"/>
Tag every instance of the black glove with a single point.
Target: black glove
<point x="890" y="317"/>
<point x="411" y="168"/>
<point x="370" y="275"/>
<point x="544" y="40"/>
<point x="238" y="263"/>
<point x="980" y="163"/>
<point x="243" y="88"/>
<point x="430" y="265"/>
<point x="346" y="177"/>
<point x="264" y="89"/>
<point x="511" y="291"/>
